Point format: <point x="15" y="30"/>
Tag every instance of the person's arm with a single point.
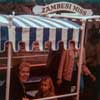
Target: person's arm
<point x="87" y="72"/>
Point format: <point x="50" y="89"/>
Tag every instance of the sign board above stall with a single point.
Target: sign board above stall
<point x="61" y="6"/>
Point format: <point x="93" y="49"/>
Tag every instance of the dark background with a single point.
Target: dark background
<point x="49" y="1"/>
<point x="25" y="6"/>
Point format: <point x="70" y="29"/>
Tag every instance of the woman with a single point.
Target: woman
<point x="18" y="78"/>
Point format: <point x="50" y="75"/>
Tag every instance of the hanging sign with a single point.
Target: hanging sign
<point x="61" y="6"/>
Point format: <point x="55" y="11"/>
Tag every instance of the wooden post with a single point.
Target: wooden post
<point x="80" y="58"/>
<point x="8" y="72"/>
<point x="9" y="59"/>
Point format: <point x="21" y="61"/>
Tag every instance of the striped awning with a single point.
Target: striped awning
<point x="29" y="28"/>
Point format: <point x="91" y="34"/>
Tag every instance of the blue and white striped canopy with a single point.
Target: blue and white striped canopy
<point x="29" y="28"/>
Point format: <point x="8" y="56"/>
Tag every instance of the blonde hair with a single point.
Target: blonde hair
<point x="48" y="78"/>
<point x="24" y="64"/>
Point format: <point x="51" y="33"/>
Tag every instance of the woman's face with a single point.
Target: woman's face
<point x="45" y="86"/>
<point x="24" y="74"/>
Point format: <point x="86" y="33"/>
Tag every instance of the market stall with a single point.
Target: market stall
<point x="29" y="28"/>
